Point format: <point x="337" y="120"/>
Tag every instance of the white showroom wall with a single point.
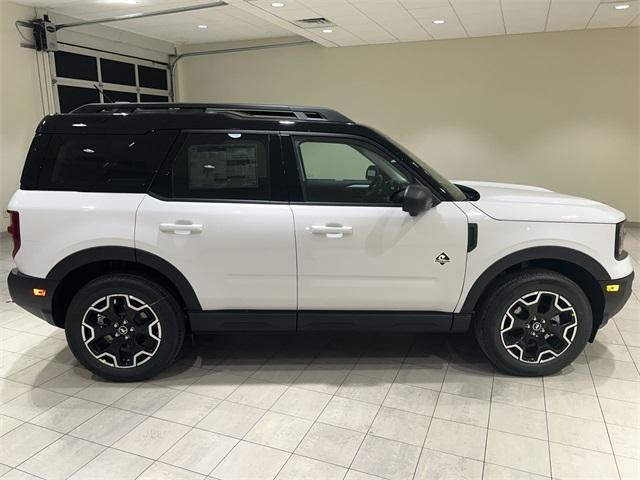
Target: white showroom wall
<point x="558" y="110"/>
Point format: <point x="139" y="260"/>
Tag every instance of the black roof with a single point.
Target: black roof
<point x="139" y="118"/>
<point x="244" y="109"/>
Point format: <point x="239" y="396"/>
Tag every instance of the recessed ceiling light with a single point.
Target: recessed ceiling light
<point x="439" y="22"/>
<point x="203" y="26"/>
<point x="277" y="4"/>
<point x="621" y="7"/>
<point x="327" y="30"/>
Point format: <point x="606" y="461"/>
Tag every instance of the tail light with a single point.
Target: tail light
<point x="14" y="230"/>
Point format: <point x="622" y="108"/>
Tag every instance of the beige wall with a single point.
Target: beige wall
<point x="20" y="102"/>
<point x="558" y="110"/>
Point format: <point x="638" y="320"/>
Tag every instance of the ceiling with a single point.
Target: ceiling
<point x="353" y="22"/>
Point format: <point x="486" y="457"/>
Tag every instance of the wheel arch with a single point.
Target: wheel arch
<point x="83" y="266"/>
<point x="577" y="266"/>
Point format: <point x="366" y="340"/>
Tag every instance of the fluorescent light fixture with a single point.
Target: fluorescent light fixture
<point x="203" y="26"/>
<point x="277" y="4"/>
<point x="624" y="6"/>
<point x="327" y="30"/>
<point x="439" y="22"/>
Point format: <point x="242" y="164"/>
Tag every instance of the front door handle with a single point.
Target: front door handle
<point x="181" y="228"/>
<point x="331" y="230"/>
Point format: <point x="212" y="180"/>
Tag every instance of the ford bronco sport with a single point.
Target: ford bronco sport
<point x="136" y="223"/>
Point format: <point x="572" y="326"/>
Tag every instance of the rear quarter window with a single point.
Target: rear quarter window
<point x="33" y="163"/>
<point x="103" y="163"/>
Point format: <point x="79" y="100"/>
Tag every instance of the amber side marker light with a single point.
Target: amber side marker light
<point x="39" y="292"/>
<point x="613" y="288"/>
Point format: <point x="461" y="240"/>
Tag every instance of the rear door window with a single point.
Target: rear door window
<point x="223" y="166"/>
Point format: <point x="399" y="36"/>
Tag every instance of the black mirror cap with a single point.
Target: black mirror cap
<point x="416" y="199"/>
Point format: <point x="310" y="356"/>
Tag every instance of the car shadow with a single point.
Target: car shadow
<point x="296" y="358"/>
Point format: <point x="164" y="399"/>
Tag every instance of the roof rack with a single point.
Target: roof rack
<point x="243" y="109"/>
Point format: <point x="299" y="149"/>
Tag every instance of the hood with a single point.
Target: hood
<point x="505" y="201"/>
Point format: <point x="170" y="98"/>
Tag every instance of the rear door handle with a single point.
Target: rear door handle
<point x="331" y="230"/>
<point x="181" y="228"/>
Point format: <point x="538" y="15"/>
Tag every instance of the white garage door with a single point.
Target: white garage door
<point x="76" y="72"/>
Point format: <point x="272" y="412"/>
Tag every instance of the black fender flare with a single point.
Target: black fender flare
<point x="127" y="254"/>
<point x="569" y="255"/>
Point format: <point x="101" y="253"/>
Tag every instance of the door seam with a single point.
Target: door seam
<point x="295" y="247"/>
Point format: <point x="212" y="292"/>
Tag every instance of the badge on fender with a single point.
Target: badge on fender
<point x="442" y="258"/>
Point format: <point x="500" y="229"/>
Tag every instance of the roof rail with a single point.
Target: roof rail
<point x="244" y="109"/>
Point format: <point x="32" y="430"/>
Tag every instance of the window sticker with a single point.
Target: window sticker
<point x="223" y="166"/>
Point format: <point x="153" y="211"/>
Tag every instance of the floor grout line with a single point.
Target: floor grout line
<point x="604" y="421"/>
<point x="426" y="436"/>
<point x="364" y="438"/>
<point x="486" y="438"/>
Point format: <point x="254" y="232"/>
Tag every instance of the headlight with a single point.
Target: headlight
<point x="619" y="251"/>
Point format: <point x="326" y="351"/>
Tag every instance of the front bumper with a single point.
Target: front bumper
<point x="616" y="293"/>
<point x="21" y="288"/>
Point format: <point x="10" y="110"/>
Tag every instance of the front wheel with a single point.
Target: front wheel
<point x="534" y="323"/>
<point x="124" y="327"/>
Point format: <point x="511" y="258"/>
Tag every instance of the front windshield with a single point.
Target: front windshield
<point x="453" y="191"/>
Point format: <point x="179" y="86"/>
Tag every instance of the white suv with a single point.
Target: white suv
<point x="136" y="223"/>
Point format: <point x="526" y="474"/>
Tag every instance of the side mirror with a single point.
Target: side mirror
<point x="371" y="173"/>
<point x="416" y="199"/>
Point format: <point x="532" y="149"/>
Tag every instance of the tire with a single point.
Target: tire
<point x="124" y="328"/>
<point x="533" y="323"/>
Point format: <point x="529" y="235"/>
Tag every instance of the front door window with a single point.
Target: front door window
<point x="347" y="172"/>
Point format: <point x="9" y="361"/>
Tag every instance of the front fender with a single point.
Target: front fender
<point x="575" y="257"/>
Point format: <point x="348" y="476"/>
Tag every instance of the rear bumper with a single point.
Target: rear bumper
<point x="615" y="300"/>
<point x="21" y="290"/>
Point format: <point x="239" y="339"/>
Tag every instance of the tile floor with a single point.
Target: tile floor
<point x="325" y="407"/>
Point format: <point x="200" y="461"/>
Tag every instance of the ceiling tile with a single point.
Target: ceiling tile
<point x="340" y="36"/>
<point x="451" y="29"/>
<point x="425" y="15"/>
<point x="570" y="14"/>
<point x="524" y="16"/>
<point x="607" y="16"/>
<point x="415" y="4"/>
<point x="480" y="18"/>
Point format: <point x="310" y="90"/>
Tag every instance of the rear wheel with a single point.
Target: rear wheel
<point x="124" y="327"/>
<point x="534" y="323"/>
